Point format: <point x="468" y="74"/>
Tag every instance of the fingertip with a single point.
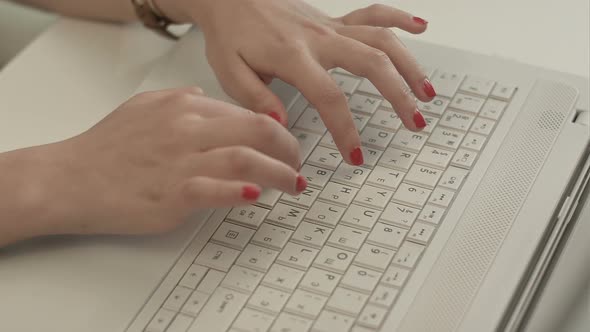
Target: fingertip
<point x="251" y="192"/>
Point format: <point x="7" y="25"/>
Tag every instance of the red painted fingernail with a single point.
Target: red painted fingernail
<point x="301" y="184"/>
<point x="356" y="156"/>
<point x="250" y="193"/>
<point x="419" y="120"/>
<point x="429" y="89"/>
<point x="275" y="116"/>
<point x="420" y="20"/>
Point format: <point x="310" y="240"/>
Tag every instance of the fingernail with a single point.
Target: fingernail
<point x="301" y="184"/>
<point x="419" y="120"/>
<point x="420" y="20"/>
<point x="275" y="116"/>
<point x="429" y="89"/>
<point x="356" y="156"/>
<point x="250" y="193"/>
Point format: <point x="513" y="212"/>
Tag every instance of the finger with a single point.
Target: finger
<point x="248" y="88"/>
<point x="385" y="40"/>
<point x="203" y="192"/>
<point x="259" y="132"/>
<point x="320" y="90"/>
<point x="246" y="164"/>
<point x="374" y="64"/>
<point x="211" y="108"/>
<point x="385" y="16"/>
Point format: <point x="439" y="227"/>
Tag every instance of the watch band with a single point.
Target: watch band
<point x="152" y="18"/>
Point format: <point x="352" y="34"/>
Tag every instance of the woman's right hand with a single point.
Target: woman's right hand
<point x="161" y="156"/>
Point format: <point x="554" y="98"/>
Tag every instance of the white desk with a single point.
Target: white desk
<point x="77" y="72"/>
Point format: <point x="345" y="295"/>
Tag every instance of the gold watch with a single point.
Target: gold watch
<point x="153" y="19"/>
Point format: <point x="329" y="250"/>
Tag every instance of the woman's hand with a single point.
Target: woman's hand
<point x="161" y="156"/>
<point x="249" y="42"/>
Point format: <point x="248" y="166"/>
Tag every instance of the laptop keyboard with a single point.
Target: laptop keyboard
<point x="336" y="257"/>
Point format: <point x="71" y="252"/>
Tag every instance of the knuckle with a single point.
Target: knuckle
<point x="240" y="160"/>
<point x="296" y="49"/>
<point x="383" y="36"/>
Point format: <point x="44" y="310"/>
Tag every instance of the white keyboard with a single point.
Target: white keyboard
<point x="336" y="257"/>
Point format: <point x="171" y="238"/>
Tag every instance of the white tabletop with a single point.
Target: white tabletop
<point x="77" y="72"/>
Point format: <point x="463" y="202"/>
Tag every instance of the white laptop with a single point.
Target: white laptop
<point x="451" y="229"/>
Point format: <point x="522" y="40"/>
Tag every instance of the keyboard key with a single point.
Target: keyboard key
<point x="368" y="87"/>
<point x="387" y="236"/>
<point x="320" y="281"/>
<point x="257" y="258"/>
<point x="385" y="119"/>
<point x="423" y="176"/>
<point x="358" y="328"/>
<point x="408" y="254"/>
<point x="268" y="198"/>
<point x="360" y="121"/>
<point x="242" y="279"/>
<point x="436" y="106"/>
<point x="483" y="126"/>
<point x="286" y="215"/>
<point x="346" y="83"/>
<point x="297" y="256"/>
<point x="384" y="296"/>
<point x="311" y="120"/>
<point x="161" y="320"/>
<point x="374" y="257"/>
<point x="307" y="141"/>
<point x="193" y="276"/>
<point x="376" y="138"/>
<point x="338" y="193"/>
<point x="283" y="277"/>
<point x="467" y="103"/>
<point x="311" y="235"/>
<point x="217" y="257"/>
<point x="493" y="109"/>
<point x="395" y="276"/>
<point x="325" y="158"/>
<point x="272" y="236"/>
<point x="347" y="301"/>
<point x="360" y="217"/>
<point x="328" y="141"/>
<point x="431" y="122"/>
<point x="421" y="233"/>
<point x="473" y="141"/>
<point x="446" y="83"/>
<point x="385" y="177"/>
<point x="363" y="104"/>
<point x="371" y="156"/>
<point x="464" y="158"/>
<point x="305" y="304"/>
<point x="442" y="197"/>
<point x="325" y="213"/>
<point x="457" y="120"/>
<point x="334" y="259"/>
<point x="291" y="323"/>
<point x="232" y="235"/>
<point x="330" y="321"/>
<point x="305" y="199"/>
<point x="408" y="140"/>
<point x="397" y="159"/>
<point x="373" y="197"/>
<point x="408" y="194"/>
<point x="360" y="279"/>
<point x="399" y="215"/>
<point x="296" y="110"/>
<point x="220" y="311"/>
<point x="432" y="214"/>
<point x="453" y="177"/>
<point x="180" y="324"/>
<point x="350" y="175"/>
<point x="347" y="238"/>
<point x="446" y="138"/>
<point x="372" y="316"/>
<point x="268" y="299"/>
<point x="477" y="85"/>
<point x="435" y="157"/>
<point x="253" y="321"/>
<point x="176" y="299"/>
<point x="249" y="215"/>
<point x="503" y="92"/>
<point x="212" y="279"/>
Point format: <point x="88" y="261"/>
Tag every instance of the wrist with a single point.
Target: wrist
<point x="183" y="11"/>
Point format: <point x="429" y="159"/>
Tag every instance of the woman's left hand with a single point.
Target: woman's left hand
<point x="250" y="42"/>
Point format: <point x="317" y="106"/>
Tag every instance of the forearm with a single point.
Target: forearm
<point x="107" y="10"/>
